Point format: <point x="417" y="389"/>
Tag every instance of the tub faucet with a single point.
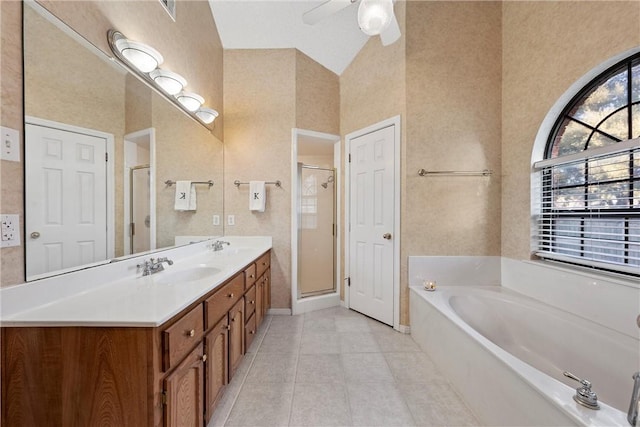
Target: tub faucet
<point x="634" y="406"/>
<point x="584" y="395"/>
<point x="152" y="265"/>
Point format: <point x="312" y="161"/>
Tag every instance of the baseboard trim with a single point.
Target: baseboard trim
<point x="404" y="329"/>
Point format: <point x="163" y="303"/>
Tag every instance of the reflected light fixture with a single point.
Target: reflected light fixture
<point x="207" y="115"/>
<point x="143" y="61"/>
<point x="143" y="57"/>
<point x="374" y="16"/>
<point x="172" y="83"/>
<point x="191" y="101"/>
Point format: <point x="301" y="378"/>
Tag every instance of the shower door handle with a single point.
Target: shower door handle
<point x="386" y="236"/>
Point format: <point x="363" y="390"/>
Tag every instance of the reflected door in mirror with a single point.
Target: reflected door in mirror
<point x="66" y="196"/>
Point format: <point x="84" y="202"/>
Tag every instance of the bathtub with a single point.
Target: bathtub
<point x="505" y="354"/>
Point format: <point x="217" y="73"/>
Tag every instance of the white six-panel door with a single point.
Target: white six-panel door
<point x="66" y="185"/>
<point x="372" y="207"/>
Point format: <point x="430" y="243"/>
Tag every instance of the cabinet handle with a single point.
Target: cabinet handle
<point x="227" y="327"/>
<point x="252" y="332"/>
<point x="231" y="295"/>
<point x="191" y="333"/>
<point x="264" y="263"/>
<point x="252" y="302"/>
<point x="204" y="357"/>
<point x="251" y="276"/>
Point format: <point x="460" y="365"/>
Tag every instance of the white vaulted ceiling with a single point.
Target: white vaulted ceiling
<point x="272" y="24"/>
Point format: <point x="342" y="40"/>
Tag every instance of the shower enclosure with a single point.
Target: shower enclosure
<point x="317" y="230"/>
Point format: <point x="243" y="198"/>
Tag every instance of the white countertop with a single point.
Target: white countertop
<point x="116" y="294"/>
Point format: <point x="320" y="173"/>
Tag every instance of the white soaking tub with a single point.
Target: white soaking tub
<point x="506" y="354"/>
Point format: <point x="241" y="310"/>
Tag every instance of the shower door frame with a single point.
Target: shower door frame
<point x="334" y="236"/>
<point x="332" y="299"/>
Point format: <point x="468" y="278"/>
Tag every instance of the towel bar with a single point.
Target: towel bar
<point x="276" y="183"/>
<point x="209" y="183"/>
<point x="485" y="172"/>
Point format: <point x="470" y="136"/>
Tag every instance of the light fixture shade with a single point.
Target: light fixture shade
<point x="374" y="16"/>
<point x="143" y="57"/>
<point x="190" y="101"/>
<point x="170" y="82"/>
<point x="207" y="115"/>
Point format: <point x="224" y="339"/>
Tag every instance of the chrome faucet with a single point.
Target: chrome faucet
<point x="584" y="395"/>
<point x="217" y="245"/>
<point x="152" y="265"/>
<point x="634" y="406"/>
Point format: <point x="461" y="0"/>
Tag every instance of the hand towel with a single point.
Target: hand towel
<point x="184" y="193"/>
<point x="257" y="196"/>
<point x="192" y="198"/>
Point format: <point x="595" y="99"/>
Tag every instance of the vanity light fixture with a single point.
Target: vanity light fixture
<point x="143" y="57"/>
<point x="170" y="82"/>
<point x="207" y="115"/>
<point x="143" y="61"/>
<point x="374" y="16"/>
<point x="191" y="101"/>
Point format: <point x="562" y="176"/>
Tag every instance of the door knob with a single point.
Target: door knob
<point x="386" y="236"/>
<point x="35" y="235"/>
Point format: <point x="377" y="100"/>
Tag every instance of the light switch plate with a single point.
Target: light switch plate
<point x="10" y="235"/>
<point x="231" y="220"/>
<point x="9" y="144"/>
<point x="216" y="220"/>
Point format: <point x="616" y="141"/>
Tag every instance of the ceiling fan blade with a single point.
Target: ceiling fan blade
<point x="391" y="33"/>
<point x="328" y="8"/>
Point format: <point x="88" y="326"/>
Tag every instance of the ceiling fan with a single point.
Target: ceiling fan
<point x="375" y="17"/>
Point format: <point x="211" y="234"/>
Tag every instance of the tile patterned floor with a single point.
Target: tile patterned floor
<point x="336" y="367"/>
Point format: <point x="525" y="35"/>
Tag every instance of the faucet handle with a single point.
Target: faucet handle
<point x="584" y="395"/>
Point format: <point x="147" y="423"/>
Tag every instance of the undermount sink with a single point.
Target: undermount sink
<point x="186" y="275"/>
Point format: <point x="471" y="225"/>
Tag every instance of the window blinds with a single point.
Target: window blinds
<point x="587" y="208"/>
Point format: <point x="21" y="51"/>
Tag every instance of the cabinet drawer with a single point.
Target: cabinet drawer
<point x="180" y="338"/>
<point x="249" y="331"/>
<point x="263" y="263"/>
<point x="249" y="276"/>
<point x="218" y="304"/>
<point x="250" y="301"/>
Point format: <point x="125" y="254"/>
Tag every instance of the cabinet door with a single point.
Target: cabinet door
<point x="236" y="336"/>
<point x="217" y="364"/>
<point x="266" y="292"/>
<point x="184" y="392"/>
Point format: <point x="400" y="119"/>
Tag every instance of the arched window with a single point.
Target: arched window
<point x="588" y="205"/>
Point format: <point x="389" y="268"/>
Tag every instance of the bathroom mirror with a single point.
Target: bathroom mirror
<point x="82" y="108"/>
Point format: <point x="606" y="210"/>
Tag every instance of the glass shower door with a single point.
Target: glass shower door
<point x="317" y="240"/>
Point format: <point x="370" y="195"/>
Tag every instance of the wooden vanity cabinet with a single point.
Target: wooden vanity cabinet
<point x="184" y="391"/>
<point x="171" y="375"/>
<point x="216" y="343"/>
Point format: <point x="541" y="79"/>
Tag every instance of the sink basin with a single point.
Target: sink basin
<point x="186" y="275"/>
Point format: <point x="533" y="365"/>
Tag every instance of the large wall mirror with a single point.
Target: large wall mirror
<point x="99" y="146"/>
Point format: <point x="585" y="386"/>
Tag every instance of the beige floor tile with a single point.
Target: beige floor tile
<point x="378" y="404"/>
<point x="273" y="368"/>
<point x="320" y="405"/>
<point x="358" y="342"/>
<point x="352" y="324"/>
<point x="280" y="343"/>
<point x="412" y="367"/>
<point x="365" y="367"/>
<point x="394" y="341"/>
<point x="436" y="404"/>
<point x="319" y="368"/>
<point x="286" y="324"/>
<point x="320" y="343"/>
<point x="319" y="324"/>
<point x="262" y="405"/>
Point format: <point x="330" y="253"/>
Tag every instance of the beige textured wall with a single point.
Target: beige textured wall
<point x="11" y="115"/>
<point x="547" y="46"/>
<point x="317" y="96"/>
<point x="372" y="89"/>
<point x="185" y="150"/>
<point x="200" y="63"/>
<point x="266" y="95"/>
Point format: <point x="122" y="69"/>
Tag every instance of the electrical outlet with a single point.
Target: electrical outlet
<point x="9" y="144"/>
<point x="216" y="220"/>
<point x="231" y="220"/>
<point x="10" y="235"/>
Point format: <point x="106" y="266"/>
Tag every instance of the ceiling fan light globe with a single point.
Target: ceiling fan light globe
<point x="374" y="16"/>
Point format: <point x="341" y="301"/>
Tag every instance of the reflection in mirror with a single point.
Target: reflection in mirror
<point x="81" y="108"/>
